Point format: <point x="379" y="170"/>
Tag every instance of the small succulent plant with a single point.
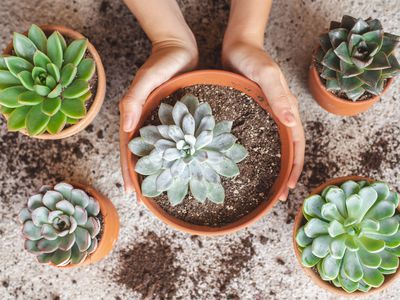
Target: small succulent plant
<point x="45" y="83"/>
<point x="189" y="150"/>
<point x="352" y="234"/>
<point x="357" y="56"/>
<point x="61" y="225"/>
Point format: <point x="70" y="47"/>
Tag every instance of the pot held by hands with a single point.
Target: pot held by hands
<point x="201" y="159"/>
<point x="347" y="236"/>
<point x="353" y="66"/>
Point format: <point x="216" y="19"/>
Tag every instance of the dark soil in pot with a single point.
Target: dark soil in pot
<point x="257" y="132"/>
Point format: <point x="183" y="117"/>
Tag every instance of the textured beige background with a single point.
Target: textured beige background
<point x="336" y="146"/>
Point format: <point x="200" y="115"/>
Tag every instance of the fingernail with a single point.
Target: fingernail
<point x="127" y="123"/>
<point x="289" y="117"/>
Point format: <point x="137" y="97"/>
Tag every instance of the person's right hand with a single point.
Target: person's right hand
<point x="167" y="59"/>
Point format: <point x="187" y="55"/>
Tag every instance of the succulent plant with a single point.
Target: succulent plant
<point x="189" y="150"/>
<point x="357" y="56"/>
<point x="352" y="234"/>
<point x="61" y="225"/>
<point x="45" y="83"/>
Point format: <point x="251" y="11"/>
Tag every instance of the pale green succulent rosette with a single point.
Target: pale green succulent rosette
<point x="357" y="56"/>
<point x="352" y="234"/>
<point x="189" y="151"/>
<point x="44" y="85"/>
<point x="61" y="225"/>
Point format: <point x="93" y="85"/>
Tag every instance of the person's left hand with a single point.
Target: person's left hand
<point x="254" y="63"/>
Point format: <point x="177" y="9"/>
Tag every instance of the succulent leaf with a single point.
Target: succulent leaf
<point x="55" y="49"/>
<point x="67" y="242"/>
<point x="37" y="36"/>
<point x="56" y="123"/>
<point x="30" y="231"/>
<point x="76" y="89"/>
<point x="68" y="74"/>
<point x="17" y="64"/>
<point x="7" y="79"/>
<point x="165" y="114"/>
<point x="9" y="96"/>
<point x="75" y="52"/>
<point x="73" y="108"/>
<point x="191" y="102"/>
<point x="40" y="59"/>
<point x="187" y="152"/>
<point x="23" y="46"/>
<point x="352" y="234"/>
<point x="36" y="121"/>
<point x="53" y="71"/>
<point x="16" y="120"/>
<point x="42" y="90"/>
<point x="177" y="191"/>
<point x="86" y="69"/>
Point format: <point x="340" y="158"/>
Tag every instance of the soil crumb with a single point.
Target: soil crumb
<point x="382" y="150"/>
<point x="149" y="268"/>
<point x="317" y="165"/>
<point x="258" y="133"/>
<point x="234" y="262"/>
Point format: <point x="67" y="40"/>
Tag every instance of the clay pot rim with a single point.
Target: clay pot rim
<point x="100" y="89"/>
<point x="102" y="243"/>
<point x="316" y="77"/>
<point x="326" y="285"/>
<point x="192" y="78"/>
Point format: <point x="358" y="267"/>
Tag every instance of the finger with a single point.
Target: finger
<point x="275" y="88"/>
<point x="159" y="68"/>
<point x="130" y="113"/>
<point x="284" y="195"/>
<point x="299" y="150"/>
<point x="131" y="105"/>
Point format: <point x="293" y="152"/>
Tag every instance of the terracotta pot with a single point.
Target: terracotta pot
<point x="334" y="104"/>
<point x="99" y="93"/>
<point x="110" y="227"/>
<point x="216" y="77"/>
<point x="300" y="221"/>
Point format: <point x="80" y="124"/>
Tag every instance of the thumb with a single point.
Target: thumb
<point x="132" y="103"/>
<point x="279" y="97"/>
<point x="131" y="110"/>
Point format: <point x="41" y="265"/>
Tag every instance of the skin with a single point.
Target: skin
<point x="175" y="51"/>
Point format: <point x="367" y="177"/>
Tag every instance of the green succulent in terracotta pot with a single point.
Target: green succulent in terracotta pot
<point x="44" y="84"/>
<point x="61" y="225"/>
<point x="351" y="237"/>
<point x="357" y="57"/>
<point x="188" y="151"/>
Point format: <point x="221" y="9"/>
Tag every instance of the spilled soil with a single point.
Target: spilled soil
<point x="316" y="162"/>
<point x="149" y="268"/>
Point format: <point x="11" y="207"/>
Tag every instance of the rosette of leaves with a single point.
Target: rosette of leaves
<point x="44" y="84"/>
<point x="61" y="225"/>
<point x="188" y="151"/>
<point x="352" y="234"/>
<point x="356" y="56"/>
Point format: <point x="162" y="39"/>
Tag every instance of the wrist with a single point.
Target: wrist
<point x="237" y="50"/>
<point x="188" y="46"/>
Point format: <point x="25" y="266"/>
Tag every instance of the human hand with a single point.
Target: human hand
<point x="167" y="59"/>
<point x="254" y="63"/>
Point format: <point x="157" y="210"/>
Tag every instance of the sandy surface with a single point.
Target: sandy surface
<point x="257" y="263"/>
